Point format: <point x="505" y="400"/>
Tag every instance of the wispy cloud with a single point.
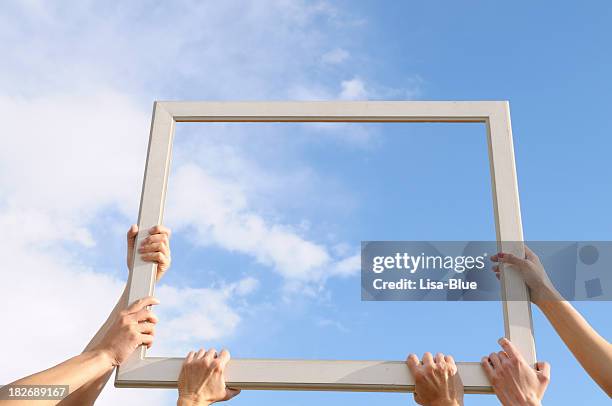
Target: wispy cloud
<point x="335" y="56"/>
<point x="196" y="315"/>
<point x="329" y="323"/>
<point x="353" y="89"/>
<point x="220" y="214"/>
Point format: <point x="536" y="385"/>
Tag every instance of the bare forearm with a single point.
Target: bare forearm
<point x="89" y="392"/>
<point x="591" y="350"/>
<point x="74" y="372"/>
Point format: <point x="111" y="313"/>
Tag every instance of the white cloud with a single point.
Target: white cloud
<point x="220" y="214"/>
<point x="197" y="315"/>
<point x="72" y="155"/>
<point x="335" y="56"/>
<point x="348" y="266"/>
<point x="310" y="93"/>
<point x="218" y="50"/>
<point x="353" y="89"/>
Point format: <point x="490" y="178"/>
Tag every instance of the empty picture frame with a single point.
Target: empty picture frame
<point x="281" y="374"/>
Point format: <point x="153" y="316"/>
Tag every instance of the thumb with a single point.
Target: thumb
<point x="131" y="235"/>
<point x="543" y="369"/>
<point x="530" y="255"/>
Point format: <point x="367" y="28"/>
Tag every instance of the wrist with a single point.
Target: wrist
<point x="191" y="400"/>
<point x="546" y="294"/>
<point x="104" y="357"/>
<point x="446" y="402"/>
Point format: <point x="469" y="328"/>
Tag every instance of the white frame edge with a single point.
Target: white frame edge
<point x="279" y="374"/>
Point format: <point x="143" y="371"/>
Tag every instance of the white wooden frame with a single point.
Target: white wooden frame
<point x="277" y="374"/>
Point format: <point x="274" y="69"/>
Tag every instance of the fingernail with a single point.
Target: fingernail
<point x="501" y="340"/>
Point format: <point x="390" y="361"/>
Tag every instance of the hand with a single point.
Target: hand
<point x="202" y="380"/>
<point x="513" y="380"/>
<point x="154" y="248"/>
<point x="436" y="380"/>
<point x="133" y="327"/>
<point x="531" y="270"/>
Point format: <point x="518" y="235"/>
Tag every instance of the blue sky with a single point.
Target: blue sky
<point x="297" y="199"/>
